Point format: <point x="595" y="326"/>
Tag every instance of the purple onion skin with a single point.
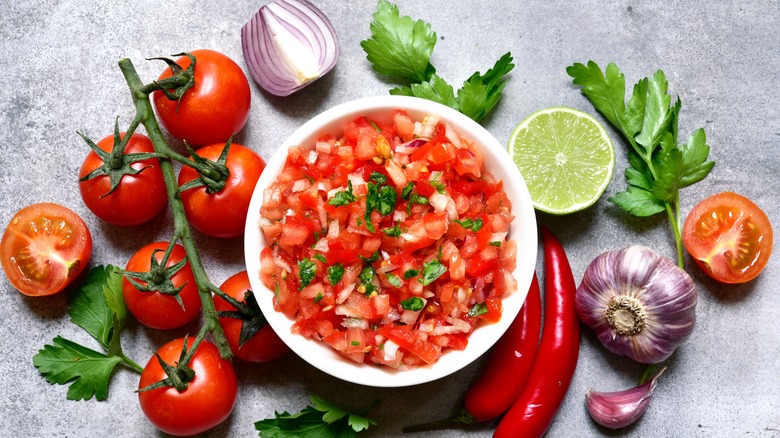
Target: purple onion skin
<point x="665" y="292"/>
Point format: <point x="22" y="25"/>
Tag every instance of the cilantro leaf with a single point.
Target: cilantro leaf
<point x="400" y="46"/>
<point x="470" y="224"/>
<point x="394" y="280"/>
<point x="335" y="273"/>
<point x="307" y="270"/>
<point x="343" y="197"/>
<point x="323" y="420"/>
<point x="431" y="271"/>
<point x="478" y="309"/>
<point x="480" y="93"/>
<point x="87" y="370"/>
<point x="413" y="304"/>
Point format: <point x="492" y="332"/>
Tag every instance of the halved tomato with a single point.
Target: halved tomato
<point x="44" y="248"/>
<point x="729" y="237"/>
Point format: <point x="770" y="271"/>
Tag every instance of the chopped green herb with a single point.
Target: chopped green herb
<point x="438" y="185"/>
<point x="307" y="270"/>
<point x="374" y="257"/>
<point x="378" y="178"/>
<point x="411" y="273"/>
<point x="470" y="224"/>
<point x="478" y="309"/>
<point x="378" y="129"/>
<point x="319" y="297"/>
<point x="321" y="258"/>
<point x="343" y="197"/>
<point x="366" y="277"/>
<point x="431" y="271"/>
<point x="495" y="243"/>
<point x="395" y="280"/>
<point x="413" y="303"/>
<point x="335" y="272"/>
<point x="355" y="343"/>
<point x="394" y="231"/>
<point x="407" y="191"/>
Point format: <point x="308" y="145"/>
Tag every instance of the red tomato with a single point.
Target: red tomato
<point x="729" y="237"/>
<point x="137" y="199"/>
<point x="223" y="214"/>
<point x="206" y="402"/>
<point x="44" y="248"/>
<point x="265" y="345"/>
<point x="215" y="108"/>
<point x="154" y="309"/>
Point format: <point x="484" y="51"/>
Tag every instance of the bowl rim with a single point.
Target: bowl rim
<point x="523" y="230"/>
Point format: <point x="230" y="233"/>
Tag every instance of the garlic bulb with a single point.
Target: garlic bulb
<point x="620" y="408"/>
<point x="640" y="304"/>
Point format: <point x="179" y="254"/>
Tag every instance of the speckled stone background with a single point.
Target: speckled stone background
<point x="59" y="74"/>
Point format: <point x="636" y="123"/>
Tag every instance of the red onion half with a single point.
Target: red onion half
<point x="287" y="45"/>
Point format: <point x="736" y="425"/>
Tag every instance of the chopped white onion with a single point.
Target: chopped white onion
<point x="390" y="350"/>
<point x="452" y="136"/>
<point x="344" y="293"/>
<point x="311" y="158"/>
<point x="321" y="245"/>
<point x="354" y="322"/>
<point x="287" y="45"/>
<point x="300" y="185"/>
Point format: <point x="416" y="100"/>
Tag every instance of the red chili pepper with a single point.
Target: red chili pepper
<point x="533" y="412"/>
<point x="506" y="371"/>
<point x="509" y="364"/>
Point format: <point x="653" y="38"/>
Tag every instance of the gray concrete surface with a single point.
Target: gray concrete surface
<point x="58" y="74"/>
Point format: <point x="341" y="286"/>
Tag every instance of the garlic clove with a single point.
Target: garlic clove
<point x="619" y="409"/>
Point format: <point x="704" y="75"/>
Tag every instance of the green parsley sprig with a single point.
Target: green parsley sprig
<point x="659" y="167"/>
<point x="97" y="307"/>
<point x="323" y="420"/>
<point x="401" y="47"/>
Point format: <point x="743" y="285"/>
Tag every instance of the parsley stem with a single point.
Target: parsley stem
<point x="130" y="363"/>
<point x="145" y="113"/>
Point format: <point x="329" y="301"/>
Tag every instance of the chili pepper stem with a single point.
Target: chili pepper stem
<point x="463" y="418"/>
<point x="182" y="228"/>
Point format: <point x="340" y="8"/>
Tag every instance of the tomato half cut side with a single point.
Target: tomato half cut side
<point x="44" y="248"/>
<point x="729" y="237"/>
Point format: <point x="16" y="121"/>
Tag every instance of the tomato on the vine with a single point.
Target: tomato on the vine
<point x="729" y="237"/>
<point x="265" y="345"/>
<point x="208" y="399"/>
<point x="137" y="199"/>
<point x="155" y="309"/>
<point x="215" y="108"/>
<point x="222" y="214"/>
<point x="44" y="248"/>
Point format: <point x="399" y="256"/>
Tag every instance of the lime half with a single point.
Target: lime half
<point x="565" y="157"/>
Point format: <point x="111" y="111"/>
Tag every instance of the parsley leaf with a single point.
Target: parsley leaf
<point x="307" y="270"/>
<point x="658" y="166"/>
<point x="343" y="197"/>
<point x="87" y="370"/>
<point x="97" y="307"/>
<point x="480" y="93"/>
<point x="402" y="48"/>
<point x="431" y="271"/>
<point x="323" y="420"/>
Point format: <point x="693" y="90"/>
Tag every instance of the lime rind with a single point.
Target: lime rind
<point x="566" y="158"/>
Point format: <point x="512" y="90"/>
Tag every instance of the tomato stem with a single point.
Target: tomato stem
<point x="145" y="114"/>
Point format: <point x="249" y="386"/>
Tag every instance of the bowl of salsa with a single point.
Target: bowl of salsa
<point x="390" y="241"/>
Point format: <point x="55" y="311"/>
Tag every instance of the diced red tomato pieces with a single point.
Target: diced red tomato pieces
<point x="387" y="253"/>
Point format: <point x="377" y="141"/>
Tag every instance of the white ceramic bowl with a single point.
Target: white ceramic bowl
<point x="523" y="231"/>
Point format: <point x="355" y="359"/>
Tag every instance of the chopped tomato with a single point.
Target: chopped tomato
<point x="382" y="251"/>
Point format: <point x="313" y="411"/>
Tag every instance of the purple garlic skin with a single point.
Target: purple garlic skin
<point x="640" y="304"/>
<point x="619" y="409"/>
